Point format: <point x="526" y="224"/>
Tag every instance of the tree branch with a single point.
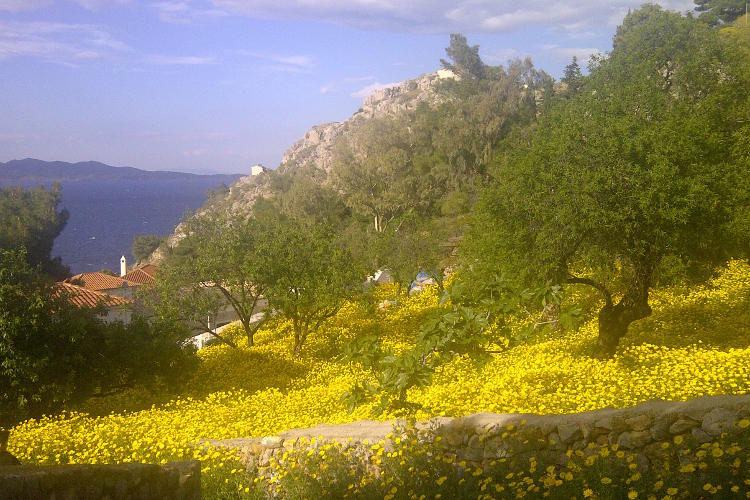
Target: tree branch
<point x="586" y="281"/>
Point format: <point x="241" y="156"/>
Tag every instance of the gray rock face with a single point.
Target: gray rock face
<point x="316" y="146"/>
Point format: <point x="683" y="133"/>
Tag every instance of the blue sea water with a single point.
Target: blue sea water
<point x="106" y="215"/>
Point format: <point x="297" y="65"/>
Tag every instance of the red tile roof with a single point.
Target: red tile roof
<point x="142" y="276"/>
<point x="99" y="281"/>
<point x="150" y="269"/>
<point x="83" y="297"/>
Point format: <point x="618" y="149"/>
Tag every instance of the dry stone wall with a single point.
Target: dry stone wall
<point x="484" y="437"/>
<point x="179" y="480"/>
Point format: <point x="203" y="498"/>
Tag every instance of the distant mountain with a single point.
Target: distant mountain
<point x="31" y="171"/>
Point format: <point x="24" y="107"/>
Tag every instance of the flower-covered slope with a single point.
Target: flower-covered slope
<point x="695" y="343"/>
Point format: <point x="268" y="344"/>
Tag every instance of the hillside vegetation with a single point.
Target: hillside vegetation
<point x="695" y="344"/>
<point x="587" y="245"/>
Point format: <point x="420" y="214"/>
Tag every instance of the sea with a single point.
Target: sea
<point x="105" y="216"/>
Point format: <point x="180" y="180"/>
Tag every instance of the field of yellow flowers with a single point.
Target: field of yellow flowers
<point x="697" y="342"/>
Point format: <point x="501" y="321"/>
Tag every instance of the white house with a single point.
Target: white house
<point x="257" y="169"/>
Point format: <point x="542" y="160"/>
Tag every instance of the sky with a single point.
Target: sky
<point x="212" y="86"/>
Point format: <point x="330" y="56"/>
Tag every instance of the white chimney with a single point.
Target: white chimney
<point x="123" y="266"/>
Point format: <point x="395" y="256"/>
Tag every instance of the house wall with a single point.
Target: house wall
<point x="120" y="313"/>
<point x="127" y="292"/>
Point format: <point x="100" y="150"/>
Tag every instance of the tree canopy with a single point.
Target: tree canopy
<point x="466" y="62"/>
<point x="144" y="245"/>
<point x="573" y="77"/>
<point x="311" y="272"/>
<point x="29" y="219"/>
<point x="718" y="12"/>
<point x="373" y="170"/>
<point x="219" y="264"/>
<point x="630" y="172"/>
<point x="53" y="353"/>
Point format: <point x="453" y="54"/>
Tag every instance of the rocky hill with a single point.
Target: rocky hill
<point x="317" y="144"/>
<point x="315" y="148"/>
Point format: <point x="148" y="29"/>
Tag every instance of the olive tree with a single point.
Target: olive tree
<point x="311" y="272"/>
<point x="217" y="265"/>
<point x="632" y="171"/>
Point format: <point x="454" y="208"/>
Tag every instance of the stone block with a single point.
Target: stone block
<point x="174" y="480"/>
<point x="271" y="442"/>
<point x="682" y="425"/>
<point x="569" y="432"/>
<point x="660" y="429"/>
<point x="455" y="438"/>
<point x="718" y="420"/>
<point x="608" y="423"/>
<point x="639" y="423"/>
<point x="700" y="436"/>
<point x="631" y="440"/>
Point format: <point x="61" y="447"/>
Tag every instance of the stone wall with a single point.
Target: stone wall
<point x="180" y="480"/>
<point x="483" y="437"/>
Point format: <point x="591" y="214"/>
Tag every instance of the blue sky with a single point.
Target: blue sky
<point x="217" y="85"/>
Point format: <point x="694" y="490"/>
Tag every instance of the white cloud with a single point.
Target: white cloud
<point x="184" y="12"/>
<point x="583" y="54"/>
<point x="372" y="88"/>
<point x="282" y="63"/>
<point x="57" y="42"/>
<point x="164" y="60"/>
<point x="501" y="56"/>
<point x="19" y="5"/>
<point x="446" y="15"/>
<point x="98" y="4"/>
<point x="336" y="86"/>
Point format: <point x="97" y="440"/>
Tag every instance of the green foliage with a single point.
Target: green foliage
<point x="471" y="128"/>
<point x="217" y="194"/>
<point x="302" y="196"/>
<point x="719" y="12"/>
<point x="310" y="272"/>
<point x="417" y="244"/>
<point x="29" y="219"/>
<point x="221" y="263"/>
<point x="472" y="322"/>
<point x="573" y="77"/>
<point x="53" y="353"/>
<point x="144" y="245"/>
<point x="373" y="169"/>
<point x="465" y="59"/>
<point x="456" y="332"/>
<point x="631" y="170"/>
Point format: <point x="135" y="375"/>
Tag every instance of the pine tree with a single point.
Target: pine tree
<point x="573" y="77"/>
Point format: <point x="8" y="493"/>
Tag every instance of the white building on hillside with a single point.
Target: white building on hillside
<point x="257" y="169"/>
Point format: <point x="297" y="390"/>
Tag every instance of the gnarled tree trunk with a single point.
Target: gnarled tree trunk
<point x="614" y="321"/>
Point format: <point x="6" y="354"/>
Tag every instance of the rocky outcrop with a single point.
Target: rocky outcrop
<point x="240" y="199"/>
<point x="642" y="430"/>
<point x="316" y="145"/>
